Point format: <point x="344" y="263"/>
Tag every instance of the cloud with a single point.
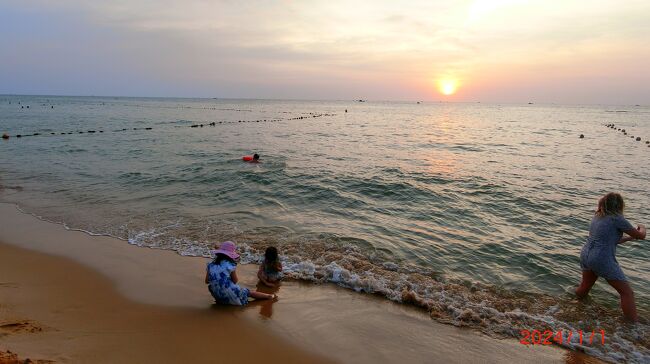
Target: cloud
<point x="319" y="48"/>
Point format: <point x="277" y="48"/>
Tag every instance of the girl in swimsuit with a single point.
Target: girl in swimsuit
<point x="270" y="272"/>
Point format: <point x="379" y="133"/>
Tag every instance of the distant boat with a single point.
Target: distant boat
<point x="361" y="100"/>
<point x="418" y="102"/>
<point x="530" y="103"/>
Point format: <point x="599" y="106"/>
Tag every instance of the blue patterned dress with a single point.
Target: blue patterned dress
<point x="221" y="286"/>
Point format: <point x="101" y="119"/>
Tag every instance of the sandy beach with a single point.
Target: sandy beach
<point x="66" y="296"/>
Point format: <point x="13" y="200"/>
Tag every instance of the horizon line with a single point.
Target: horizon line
<point x="327" y="100"/>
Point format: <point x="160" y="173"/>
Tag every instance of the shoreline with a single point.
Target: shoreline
<point x="53" y="278"/>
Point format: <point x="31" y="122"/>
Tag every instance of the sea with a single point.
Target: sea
<point x="474" y="212"/>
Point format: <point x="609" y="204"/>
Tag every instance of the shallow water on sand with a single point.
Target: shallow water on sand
<point x="475" y="212"/>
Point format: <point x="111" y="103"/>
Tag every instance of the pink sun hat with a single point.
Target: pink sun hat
<point x="228" y="248"/>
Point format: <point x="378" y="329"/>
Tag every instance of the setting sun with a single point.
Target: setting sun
<point x="447" y="86"/>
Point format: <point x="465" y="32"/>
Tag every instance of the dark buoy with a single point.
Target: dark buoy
<point x="346" y="110"/>
<point x="638" y="139"/>
<point x="5" y="136"/>
<point x="582" y="136"/>
<point x="52" y="106"/>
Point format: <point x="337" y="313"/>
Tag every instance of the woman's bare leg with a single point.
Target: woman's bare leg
<point x="260" y="295"/>
<point x="588" y="280"/>
<point x="627" y="299"/>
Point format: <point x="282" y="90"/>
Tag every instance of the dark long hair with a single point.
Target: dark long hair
<point x="610" y="204"/>
<point x="220" y="257"/>
<point x="271" y="256"/>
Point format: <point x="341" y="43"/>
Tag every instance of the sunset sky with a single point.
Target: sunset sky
<point x="593" y="52"/>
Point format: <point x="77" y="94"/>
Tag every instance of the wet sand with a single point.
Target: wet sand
<point x="67" y="296"/>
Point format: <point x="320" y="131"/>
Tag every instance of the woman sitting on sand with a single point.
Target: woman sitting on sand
<point x="598" y="256"/>
<point x="221" y="277"/>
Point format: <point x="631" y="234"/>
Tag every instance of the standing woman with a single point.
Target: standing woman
<point x="598" y="256"/>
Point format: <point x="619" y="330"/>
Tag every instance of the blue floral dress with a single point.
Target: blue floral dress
<point x="221" y="286"/>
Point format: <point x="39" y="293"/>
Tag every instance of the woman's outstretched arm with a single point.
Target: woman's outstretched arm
<point x="639" y="233"/>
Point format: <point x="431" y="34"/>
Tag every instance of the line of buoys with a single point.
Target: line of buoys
<point x="214" y="123"/>
<point x="637" y="138"/>
<point x="7" y="136"/>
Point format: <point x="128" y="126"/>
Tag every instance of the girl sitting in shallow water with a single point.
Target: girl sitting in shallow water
<point x="221" y="277"/>
<point x="598" y="256"/>
<point x="270" y="272"/>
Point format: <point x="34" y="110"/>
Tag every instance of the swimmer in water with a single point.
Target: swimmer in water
<point x="256" y="158"/>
